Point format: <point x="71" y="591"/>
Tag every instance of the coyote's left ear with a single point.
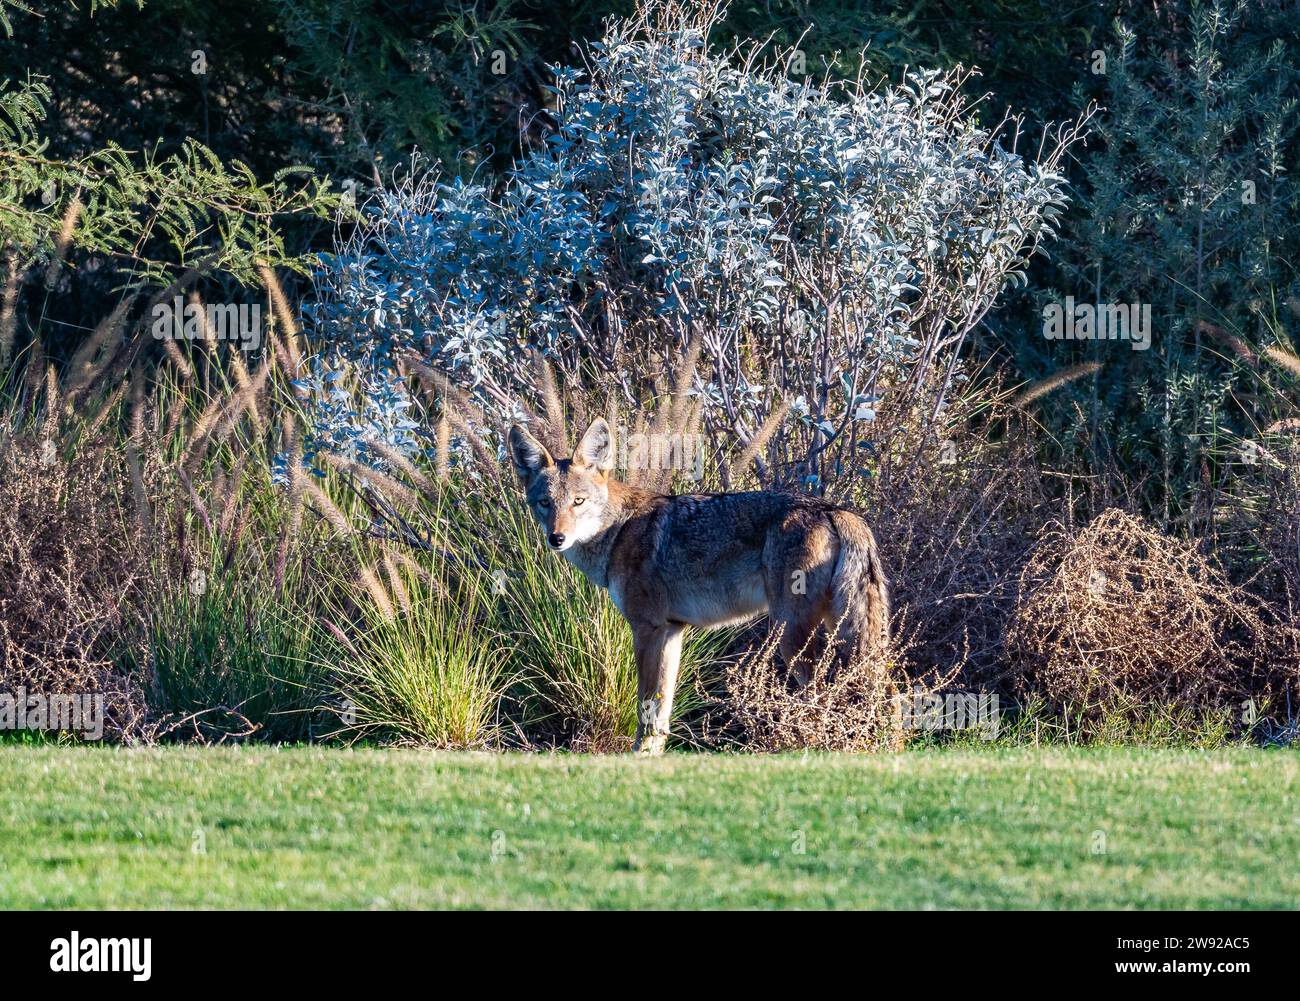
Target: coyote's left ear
<point x="596" y="450"/>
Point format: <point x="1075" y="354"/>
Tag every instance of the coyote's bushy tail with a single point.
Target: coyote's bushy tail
<point x="859" y="590"/>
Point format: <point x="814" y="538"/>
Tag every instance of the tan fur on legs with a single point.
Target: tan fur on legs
<point x="658" y="655"/>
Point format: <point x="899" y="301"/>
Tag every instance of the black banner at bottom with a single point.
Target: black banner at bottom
<point x="143" y="950"/>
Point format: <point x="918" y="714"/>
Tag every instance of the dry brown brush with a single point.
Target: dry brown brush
<point x="1118" y="613"/>
<point x="853" y="708"/>
<point x="954" y="500"/>
<point x="70" y="563"/>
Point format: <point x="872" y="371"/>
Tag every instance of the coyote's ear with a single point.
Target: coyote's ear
<point x="528" y="454"/>
<point x="596" y="450"/>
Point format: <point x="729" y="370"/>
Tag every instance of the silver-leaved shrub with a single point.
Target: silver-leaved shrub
<point x="831" y="243"/>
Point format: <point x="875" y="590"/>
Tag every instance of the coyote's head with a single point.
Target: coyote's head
<point x="568" y="497"/>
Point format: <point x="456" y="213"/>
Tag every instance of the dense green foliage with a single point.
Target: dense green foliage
<point x="1183" y="199"/>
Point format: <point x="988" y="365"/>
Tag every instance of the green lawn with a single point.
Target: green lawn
<point x="315" y="827"/>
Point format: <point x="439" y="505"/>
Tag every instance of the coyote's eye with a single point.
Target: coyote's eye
<point x="578" y="500"/>
<point x="543" y="502"/>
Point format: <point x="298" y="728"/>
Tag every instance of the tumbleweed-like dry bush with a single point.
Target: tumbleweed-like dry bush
<point x="1119" y="612"/>
<point x="849" y="707"/>
<point x="69" y="563"/>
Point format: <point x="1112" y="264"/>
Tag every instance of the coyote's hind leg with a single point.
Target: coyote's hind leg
<point x="799" y="564"/>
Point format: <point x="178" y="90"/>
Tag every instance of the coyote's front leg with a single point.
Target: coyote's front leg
<point x="658" y="652"/>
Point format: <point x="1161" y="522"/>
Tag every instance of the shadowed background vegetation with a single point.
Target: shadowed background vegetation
<point x="180" y="534"/>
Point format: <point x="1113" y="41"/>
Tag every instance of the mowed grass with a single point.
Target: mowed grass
<point x="315" y="827"/>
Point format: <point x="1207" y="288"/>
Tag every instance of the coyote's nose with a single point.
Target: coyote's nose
<point x="556" y="539"/>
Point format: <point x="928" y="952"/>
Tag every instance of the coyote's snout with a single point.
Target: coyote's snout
<point x="705" y="560"/>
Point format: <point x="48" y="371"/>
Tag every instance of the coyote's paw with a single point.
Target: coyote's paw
<point x="651" y="745"/>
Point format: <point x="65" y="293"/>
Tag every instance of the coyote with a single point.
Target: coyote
<point x="704" y="560"/>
